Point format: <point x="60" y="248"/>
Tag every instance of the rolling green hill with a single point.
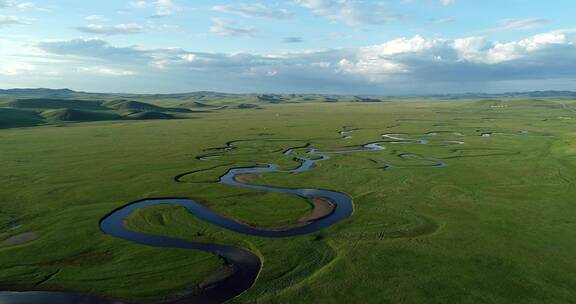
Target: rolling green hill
<point x="14" y="118"/>
<point x="130" y="105"/>
<point x="45" y="103"/>
<point x="74" y="115"/>
<point x="26" y="112"/>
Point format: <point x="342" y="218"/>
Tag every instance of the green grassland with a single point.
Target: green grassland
<point x="495" y="226"/>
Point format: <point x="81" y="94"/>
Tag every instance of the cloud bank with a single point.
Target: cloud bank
<point x="397" y="66"/>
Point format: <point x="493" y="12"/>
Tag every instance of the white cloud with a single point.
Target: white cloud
<point x="138" y="4"/>
<point x="25" y="5"/>
<point x="226" y="27"/>
<point x="189" y="57"/>
<point x="94" y="48"/>
<point x="375" y="69"/>
<point x="164" y="8"/>
<point x="11" y="20"/>
<point x="118" y="29"/>
<point x="442" y="2"/>
<point x="406" y="63"/>
<point x="16" y="5"/>
<point x="400" y="46"/>
<point x="508" y="25"/>
<point x="378" y="61"/>
<point x="96" y="18"/>
<point x="254" y="10"/>
<point x="442" y="20"/>
<point x="106" y="71"/>
<point x="471" y="49"/>
<point x="507" y="51"/>
<point x="351" y="12"/>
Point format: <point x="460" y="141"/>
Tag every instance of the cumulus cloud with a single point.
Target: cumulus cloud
<point x="395" y="65"/>
<point x="227" y="27"/>
<point x="466" y="59"/>
<point x="351" y="12"/>
<point x="254" y="10"/>
<point x="118" y="29"/>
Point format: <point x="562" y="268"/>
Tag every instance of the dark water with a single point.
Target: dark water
<point x="246" y="265"/>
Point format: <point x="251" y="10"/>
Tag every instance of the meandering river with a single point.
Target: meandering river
<point x="246" y="265"/>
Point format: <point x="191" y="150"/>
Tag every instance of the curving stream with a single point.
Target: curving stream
<point x="246" y="265"/>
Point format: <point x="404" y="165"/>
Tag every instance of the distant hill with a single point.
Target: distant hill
<point x="40" y="93"/>
<point x="33" y="107"/>
<point x="122" y="105"/>
<point x="46" y="103"/>
<point x="272" y="98"/>
<point x="78" y="115"/>
<point x="206" y="97"/>
<point x="131" y="105"/>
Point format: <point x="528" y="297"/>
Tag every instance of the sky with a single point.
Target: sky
<point x="393" y="47"/>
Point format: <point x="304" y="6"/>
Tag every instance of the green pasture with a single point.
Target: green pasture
<point x="498" y="225"/>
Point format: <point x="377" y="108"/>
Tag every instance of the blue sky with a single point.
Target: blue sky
<point x="303" y="46"/>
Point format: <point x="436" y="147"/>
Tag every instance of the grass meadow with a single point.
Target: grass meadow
<point x="497" y="225"/>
